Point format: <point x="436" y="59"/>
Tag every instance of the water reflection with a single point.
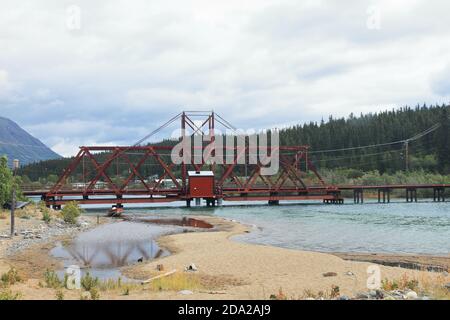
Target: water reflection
<point x="103" y="250"/>
<point x="115" y="254"/>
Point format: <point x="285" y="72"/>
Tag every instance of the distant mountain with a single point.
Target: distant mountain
<point x="16" y="143"/>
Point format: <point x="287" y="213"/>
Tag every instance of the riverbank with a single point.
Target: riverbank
<point x="253" y="271"/>
<point x="223" y="267"/>
<point x="28" y="249"/>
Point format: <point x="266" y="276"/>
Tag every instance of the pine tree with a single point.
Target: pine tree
<point x="443" y="142"/>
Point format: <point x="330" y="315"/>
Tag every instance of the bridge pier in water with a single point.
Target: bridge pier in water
<point x="438" y="194"/>
<point x="358" y="196"/>
<point x="411" y="195"/>
<point x="385" y="195"/>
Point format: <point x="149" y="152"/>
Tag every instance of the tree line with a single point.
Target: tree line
<point x="374" y="141"/>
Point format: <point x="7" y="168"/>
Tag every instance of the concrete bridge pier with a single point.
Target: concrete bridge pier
<point x="438" y="194"/>
<point x="411" y="195"/>
<point x="385" y="195"/>
<point x="358" y="196"/>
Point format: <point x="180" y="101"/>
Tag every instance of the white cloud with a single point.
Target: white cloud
<point x="5" y="85"/>
<point x="258" y="63"/>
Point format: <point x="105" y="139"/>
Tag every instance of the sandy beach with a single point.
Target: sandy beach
<point x="227" y="269"/>
<point x="258" y="271"/>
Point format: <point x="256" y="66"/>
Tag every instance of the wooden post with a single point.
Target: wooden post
<point x="13" y="200"/>
<point x="13" y="206"/>
<point x="406" y="155"/>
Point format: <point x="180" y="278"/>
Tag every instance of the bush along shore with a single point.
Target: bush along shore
<point x="38" y="224"/>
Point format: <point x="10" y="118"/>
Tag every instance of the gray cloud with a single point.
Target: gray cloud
<point x="258" y="63"/>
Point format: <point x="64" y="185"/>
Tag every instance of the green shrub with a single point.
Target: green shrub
<point x="71" y="212"/>
<point x="52" y="280"/>
<point x="88" y="282"/>
<point x="46" y="216"/>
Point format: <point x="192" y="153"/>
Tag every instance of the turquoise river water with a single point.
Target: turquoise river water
<point x="398" y="227"/>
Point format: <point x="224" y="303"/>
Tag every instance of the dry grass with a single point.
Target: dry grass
<point x="176" y="282"/>
<point x="332" y="293"/>
<point x="404" y="283"/>
<point x="428" y="284"/>
<point x="434" y="286"/>
<point x="9" y="295"/>
<point x="118" y="285"/>
<point x="10" y="278"/>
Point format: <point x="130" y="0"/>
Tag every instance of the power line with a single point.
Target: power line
<point x="413" y="138"/>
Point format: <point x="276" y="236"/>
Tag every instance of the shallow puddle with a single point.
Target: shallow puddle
<point x="104" y="250"/>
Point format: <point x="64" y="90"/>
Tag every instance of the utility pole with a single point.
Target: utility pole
<point x="407" y="155"/>
<point x="13" y="202"/>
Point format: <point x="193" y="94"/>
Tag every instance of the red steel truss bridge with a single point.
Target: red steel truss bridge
<point x="144" y="173"/>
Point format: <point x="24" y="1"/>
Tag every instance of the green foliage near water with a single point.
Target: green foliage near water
<point x="88" y="282"/>
<point x="359" y="177"/>
<point x="70" y="212"/>
<point x="7" y="182"/>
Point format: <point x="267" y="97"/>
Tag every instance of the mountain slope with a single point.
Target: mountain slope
<point x="16" y="143"/>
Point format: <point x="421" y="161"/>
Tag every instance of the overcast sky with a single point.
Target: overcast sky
<point x="76" y="73"/>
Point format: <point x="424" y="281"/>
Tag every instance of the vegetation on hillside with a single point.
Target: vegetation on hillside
<point x="430" y="152"/>
<point x="373" y="142"/>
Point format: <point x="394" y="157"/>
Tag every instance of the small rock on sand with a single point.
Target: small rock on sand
<point x="191" y="267"/>
<point x="330" y="274"/>
<point x="185" y="292"/>
<point x="411" y="295"/>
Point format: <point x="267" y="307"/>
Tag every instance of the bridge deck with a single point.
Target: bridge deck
<point x="330" y="194"/>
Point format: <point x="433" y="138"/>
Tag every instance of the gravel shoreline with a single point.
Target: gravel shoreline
<point x="42" y="233"/>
